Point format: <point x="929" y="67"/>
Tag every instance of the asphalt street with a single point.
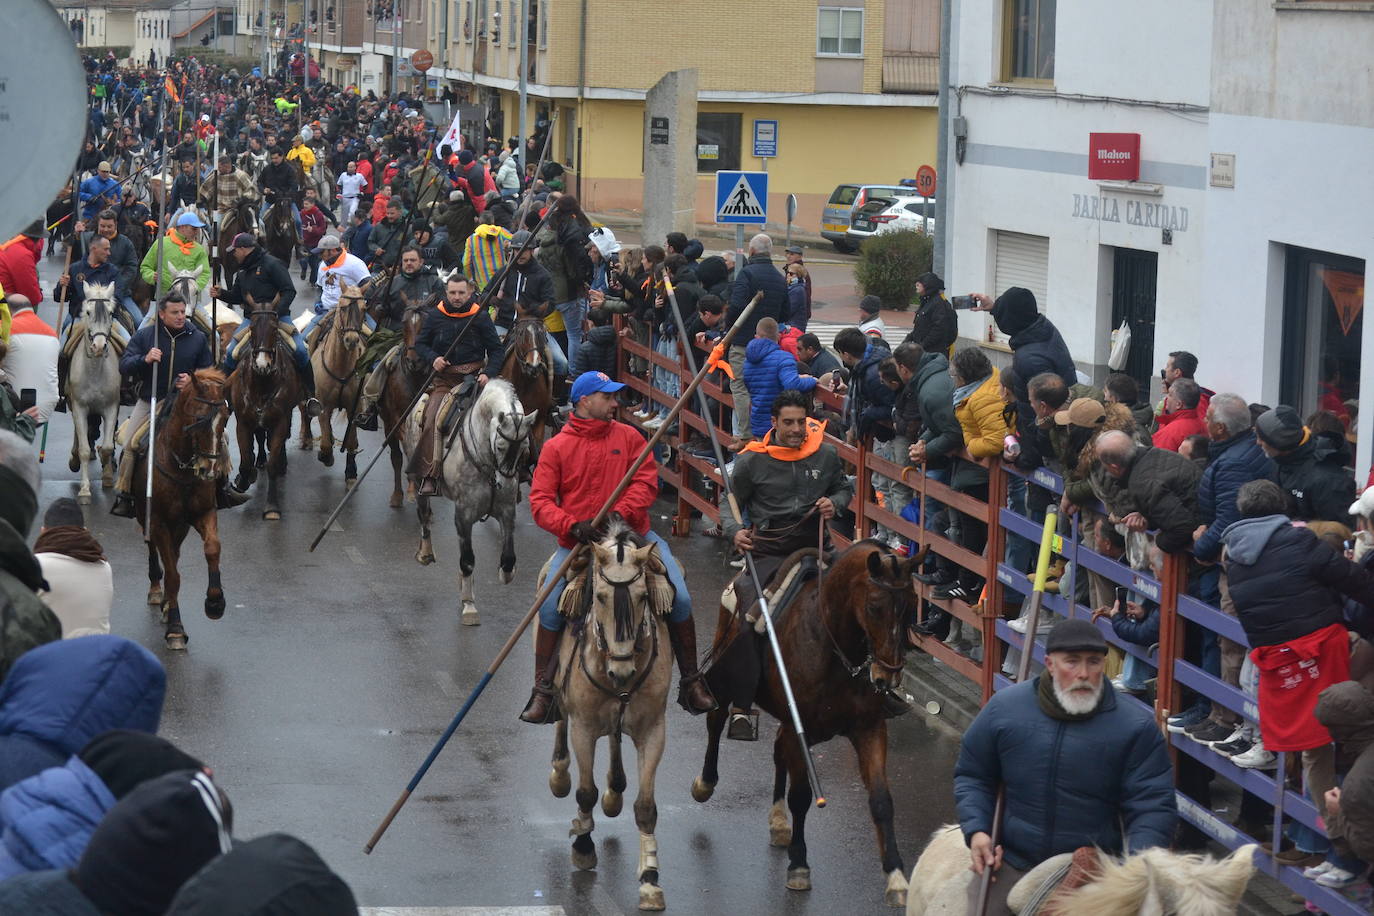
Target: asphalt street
<point x="333" y="673"/>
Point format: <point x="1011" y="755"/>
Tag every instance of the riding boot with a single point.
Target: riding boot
<point x="542" y="707"/>
<point x="560" y="389"/>
<point x="693" y="694"/>
<point x="312" y="405"/>
<point x="226" y="497"/>
<point x="64" y="363"/>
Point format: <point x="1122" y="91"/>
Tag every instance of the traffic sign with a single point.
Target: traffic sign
<point x="925" y="181"/>
<point x="422" y="60"/>
<point x="741" y="197"/>
<point x="765" y="139"/>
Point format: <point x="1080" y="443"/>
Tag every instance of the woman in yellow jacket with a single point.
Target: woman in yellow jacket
<point x="978" y="407"/>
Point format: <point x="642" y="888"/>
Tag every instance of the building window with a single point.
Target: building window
<point x="467" y="21"/>
<point x="543" y="24"/>
<point x="1021" y="260"/>
<point x="513" y="21"/>
<point x="840" y="30"/>
<point x="718" y="141"/>
<point x="1028" y="40"/>
<point x="1323" y="315"/>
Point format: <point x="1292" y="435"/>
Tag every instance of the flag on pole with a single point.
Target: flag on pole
<point x="171" y="89"/>
<point x="452" y="137"/>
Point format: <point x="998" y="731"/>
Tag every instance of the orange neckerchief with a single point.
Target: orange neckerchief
<point x="815" y="435"/>
<point x="186" y="247"/>
<point x="338" y="262"/>
<point x="472" y="310"/>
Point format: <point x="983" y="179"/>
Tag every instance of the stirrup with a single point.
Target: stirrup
<point x="551" y="712"/>
<point x="429" y="486"/>
<point x="123" y="506"/>
<point x="743" y="726"/>
<point x="684" y="692"/>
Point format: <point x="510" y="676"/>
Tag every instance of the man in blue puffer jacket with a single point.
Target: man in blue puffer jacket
<point x="1081" y="767"/>
<point x="47" y="820"/>
<point x="59" y="696"/>
<point x="768" y="370"/>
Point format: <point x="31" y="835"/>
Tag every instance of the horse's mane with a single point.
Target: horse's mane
<point x="211" y="375"/>
<point x="1186" y="885"/>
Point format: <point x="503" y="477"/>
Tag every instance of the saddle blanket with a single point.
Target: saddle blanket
<point x="316" y="333"/>
<point x="796" y="570"/>
<point x="119" y="338"/>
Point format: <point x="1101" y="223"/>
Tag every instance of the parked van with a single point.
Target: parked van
<point x="844" y="201"/>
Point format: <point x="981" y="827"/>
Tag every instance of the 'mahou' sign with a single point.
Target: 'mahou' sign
<point x="1114" y="157"/>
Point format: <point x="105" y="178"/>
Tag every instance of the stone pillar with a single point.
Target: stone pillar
<point x="670" y="156"/>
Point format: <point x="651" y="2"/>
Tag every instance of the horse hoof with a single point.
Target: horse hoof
<point x="260" y="461"/>
<point x="702" y="791"/>
<point x="155" y="596"/>
<point x="651" y="897"/>
<point x="271" y="515"/>
<point x="799" y="879"/>
<point x="214" y="606"/>
<point x="611" y="803"/>
<point x="424" y="558"/>
<point x="507" y="575"/>
<point x="584" y="860"/>
<point x="73" y="464"/>
<point x="895" y="897"/>
<point x="176" y="641"/>
<point x="326" y="459"/>
<point x="84" y="498"/>
<point x="470" y="617"/>
<point x="560" y="783"/>
<point x="307" y="445"/>
<point x="396" y="500"/>
<point x="351" y="482"/>
<point x="780" y="837"/>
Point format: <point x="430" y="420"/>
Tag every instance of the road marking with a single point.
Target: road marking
<point x="354" y="554"/>
<point x="446" y="684"/>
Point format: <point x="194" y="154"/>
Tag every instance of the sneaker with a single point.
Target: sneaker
<point x="1336" y="877"/>
<point x="946" y="591"/>
<point x="1210" y="733"/>
<point x="1021" y="624"/>
<point x="738" y="562"/>
<point x="1177" y="724"/>
<point x="1257" y="758"/>
<point x="1233" y="748"/>
<point x="654" y="422"/>
<point x="937" y="577"/>
<point x="1316" y="871"/>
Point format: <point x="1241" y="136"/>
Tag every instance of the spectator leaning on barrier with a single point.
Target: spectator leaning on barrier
<point x="1156" y="489"/>
<point x="769" y="370"/>
<point x="818" y="359"/>
<point x="1310" y="466"/>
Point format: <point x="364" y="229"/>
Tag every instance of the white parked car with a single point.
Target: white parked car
<point x="889" y="214"/>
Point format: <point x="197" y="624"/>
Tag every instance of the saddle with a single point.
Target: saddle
<point x="318" y="331"/>
<point x="78" y="330"/>
<point x="780" y="589"/>
<point x="1040" y="891"/>
<point x="242" y="339"/>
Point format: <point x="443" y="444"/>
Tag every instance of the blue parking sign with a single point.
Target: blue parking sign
<point x="742" y="197"/>
<point x="765" y="138"/>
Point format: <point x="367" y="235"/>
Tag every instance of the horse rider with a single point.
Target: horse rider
<point x="186" y="349"/>
<point x="180" y="251"/>
<point x="302" y="156"/>
<point x="1080" y="767"/>
<point x="578" y="470"/>
<point x="253" y="159"/>
<point x="280" y="180"/>
<point x="338" y="269"/>
<point x="414" y="286"/>
<point x="186" y="186"/>
<point x="221" y="191"/>
<point x="98" y="192"/>
<point x="96" y="268"/>
<point x="788" y="485"/>
<point x="133" y="215"/>
<point x="477" y="352"/>
<point x="122" y="256"/>
<point x="264" y="278"/>
<point x="526" y="291"/>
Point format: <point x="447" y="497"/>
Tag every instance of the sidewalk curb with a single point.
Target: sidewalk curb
<point x="625" y="219"/>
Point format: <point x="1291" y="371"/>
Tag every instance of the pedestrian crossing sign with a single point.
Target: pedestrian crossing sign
<point x="742" y="197"/>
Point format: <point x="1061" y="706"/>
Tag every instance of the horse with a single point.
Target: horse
<point x="613" y="679"/>
<point x="334" y="361"/>
<point x="186" y="461"/>
<point x="527" y="368"/>
<point x="480" y="472"/>
<point x="321" y="178"/>
<point x="402" y="384"/>
<point x="1153" y="882"/>
<point x="241" y="217"/>
<point x="93" y="387"/>
<point x="843" y="647"/>
<point x="280" y="237"/>
<point x="264" y="390"/>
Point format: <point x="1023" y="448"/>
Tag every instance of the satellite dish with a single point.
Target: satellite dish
<point x="43" y="120"/>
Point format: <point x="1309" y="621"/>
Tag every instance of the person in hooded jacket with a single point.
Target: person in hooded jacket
<point x="25" y="621"/>
<point x="1347" y="712"/>
<point x="47" y="820"/>
<point x="59" y="696"/>
<point x="563" y="251"/>
<point x="148" y="845"/>
<point x="1310" y="466"/>
<point x="598" y="345"/>
<point x="870" y="400"/>
<point x="271" y="875"/>
<point x="768" y="371"/>
<point x="935" y="326"/>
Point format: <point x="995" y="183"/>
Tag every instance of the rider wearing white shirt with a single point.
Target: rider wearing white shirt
<point x="338" y="269"/>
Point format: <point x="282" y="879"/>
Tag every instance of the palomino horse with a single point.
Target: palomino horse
<point x="842" y="648"/>
<point x="264" y="390"/>
<point x="93" y="387"/>
<point x="186" y="462"/>
<point x="527" y="367"/>
<point x="480" y="472"/>
<point x="334" y="361"/>
<point x="613" y="679"/>
<point x="402" y="384"/>
<point x="279" y="234"/>
<point x="1153" y="882"/>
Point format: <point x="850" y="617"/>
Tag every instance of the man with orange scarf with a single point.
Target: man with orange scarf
<point x="180" y="251"/>
<point x="788" y="484"/>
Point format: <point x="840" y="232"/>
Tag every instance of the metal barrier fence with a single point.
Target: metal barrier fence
<point x="697" y="482"/>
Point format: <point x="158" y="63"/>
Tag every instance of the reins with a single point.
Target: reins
<point x="856" y="671"/>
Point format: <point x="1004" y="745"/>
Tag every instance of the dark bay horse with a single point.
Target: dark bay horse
<point x="842" y="646"/>
<point x="186" y="460"/>
<point x="264" y="390"/>
<point x="401" y="387"/>
<point x="279" y="234"/>
<point x="527" y="368"/>
<point x="334" y="360"/>
<point x="242" y="217"/>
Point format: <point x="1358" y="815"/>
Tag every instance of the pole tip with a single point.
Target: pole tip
<point x="367" y="850"/>
<point x="820" y="801"/>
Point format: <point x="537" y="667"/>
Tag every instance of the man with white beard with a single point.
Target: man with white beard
<point x="1081" y="767"/>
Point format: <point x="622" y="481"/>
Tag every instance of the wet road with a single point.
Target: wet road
<point x="332" y="674"/>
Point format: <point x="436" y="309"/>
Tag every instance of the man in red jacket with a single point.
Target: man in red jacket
<point x="19" y="263"/>
<point x="1183" y="415"/>
<point x="578" y="470"/>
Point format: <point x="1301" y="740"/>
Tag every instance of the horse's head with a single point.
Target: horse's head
<point x="509" y="429"/>
<point x="627" y="585"/>
<point x="97" y="311"/>
<point x="262" y="322"/>
<point x="204" y="412"/>
<point x="884" y="581"/>
<point x="348" y="316"/>
<point x="531" y="347"/>
<point x="413" y="322"/>
<point x="187" y="283"/>
<point x="1157" y="882"/>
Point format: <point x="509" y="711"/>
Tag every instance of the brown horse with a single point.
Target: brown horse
<point x="401" y="386"/>
<point x="264" y="390"/>
<point x="279" y="235"/>
<point x="334" y="360"/>
<point x="241" y="217"/>
<point x="527" y="367"/>
<point x="186" y="461"/>
<point x="843" y="647"/>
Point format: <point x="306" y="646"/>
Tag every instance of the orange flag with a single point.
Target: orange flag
<point x="171" y="89"/>
<point x="717" y="360"/>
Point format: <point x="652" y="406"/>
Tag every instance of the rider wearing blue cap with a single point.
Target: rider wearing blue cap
<point x="180" y="252"/>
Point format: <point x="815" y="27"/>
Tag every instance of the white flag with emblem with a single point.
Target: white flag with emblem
<point x="453" y="137"/>
<point x="742" y="201"/>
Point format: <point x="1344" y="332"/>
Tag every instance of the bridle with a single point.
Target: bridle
<point x="194" y="430"/>
<point x="93" y="350"/>
<point x="504" y="464"/>
<point x="645" y="628"/>
<point x="351" y="336"/>
<point x="268" y="348"/>
<point x="871" y="656"/>
<point x="527" y="343"/>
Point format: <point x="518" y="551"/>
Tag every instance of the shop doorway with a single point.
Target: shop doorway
<point x="1323" y="323"/>
<point x="1134" y="274"/>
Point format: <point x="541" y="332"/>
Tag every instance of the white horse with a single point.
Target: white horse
<point x="1154" y="882"/>
<point x="322" y="179"/>
<point x="93" y="386"/>
<point x="480" y="472"/>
